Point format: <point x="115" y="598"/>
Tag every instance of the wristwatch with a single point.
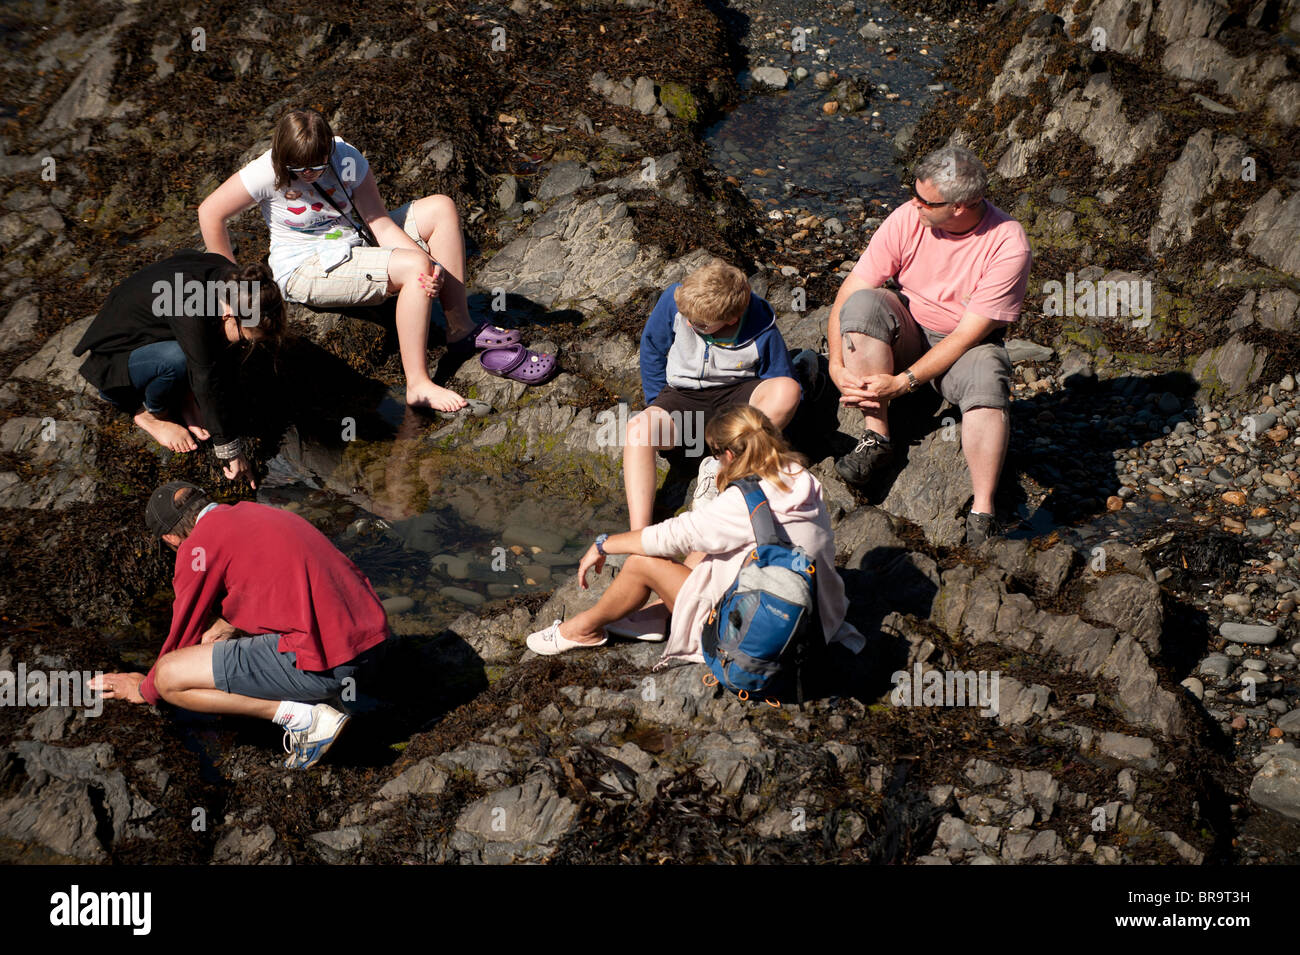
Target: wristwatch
<point x="912" y="383"/>
<point x="600" y="544"/>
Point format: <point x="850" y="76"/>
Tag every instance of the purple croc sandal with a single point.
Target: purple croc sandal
<point x="484" y="336"/>
<point x="519" y="364"/>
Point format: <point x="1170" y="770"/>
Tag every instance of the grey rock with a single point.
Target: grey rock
<point x="1290" y="723"/>
<point x="1256" y="634"/>
<point x="643" y="95"/>
<point x="238" y="846"/>
<point x="1128" y="603"/>
<point x="872" y="31"/>
<point x="64" y="456"/>
<point x="564" y="178"/>
<point x="398" y="605"/>
<point x="1272" y="226"/>
<point x="1232" y="367"/>
<point x="1277" y="786"/>
<point x="54" y="363"/>
<point x="932" y="490"/>
<point x="20" y="322"/>
<point x="462" y="595"/>
<point x="423" y="778"/>
<point x="772" y="76"/>
<point x="507" y="193"/>
<point x="338" y="844"/>
<point x="1130" y="749"/>
<point x="1020" y="349"/>
<point x="516" y="824"/>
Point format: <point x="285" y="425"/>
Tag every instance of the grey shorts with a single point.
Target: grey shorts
<point x="981" y="378"/>
<point x="361" y="280"/>
<point x="252" y="666"/>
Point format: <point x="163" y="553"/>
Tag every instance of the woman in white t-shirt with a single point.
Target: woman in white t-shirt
<point x="333" y="243"/>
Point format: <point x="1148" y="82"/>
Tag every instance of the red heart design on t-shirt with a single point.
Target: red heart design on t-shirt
<point x="317" y="206"/>
<point x="297" y="210"/>
<point x="329" y="190"/>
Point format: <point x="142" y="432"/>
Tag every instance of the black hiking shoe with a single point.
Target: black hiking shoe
<point x="867" y="461"/>
<point x="979" y="528"/>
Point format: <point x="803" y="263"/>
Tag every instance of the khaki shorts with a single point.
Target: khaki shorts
<point x="361" y="280"/>
<point x="980" y="378"/>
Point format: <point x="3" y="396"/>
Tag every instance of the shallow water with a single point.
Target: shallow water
<point x="451" y="531"/>
<point x="784" y="149"/>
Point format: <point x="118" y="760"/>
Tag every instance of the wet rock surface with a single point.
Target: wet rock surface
<point x="1098" y="620"/>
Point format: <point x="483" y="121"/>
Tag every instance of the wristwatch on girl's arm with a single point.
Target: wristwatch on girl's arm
<point x="600" y="544"/>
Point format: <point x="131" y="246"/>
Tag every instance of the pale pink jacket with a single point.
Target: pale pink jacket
<point x="721" y="529"/>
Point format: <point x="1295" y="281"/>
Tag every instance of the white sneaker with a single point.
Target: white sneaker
<point x="548" y="642"/>
<point x="305" y="747"/>
<point x="706" y="482"/>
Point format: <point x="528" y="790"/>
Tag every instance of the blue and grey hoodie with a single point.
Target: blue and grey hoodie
<point x="673" y="353"/>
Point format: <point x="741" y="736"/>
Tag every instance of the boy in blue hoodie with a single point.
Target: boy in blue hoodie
<point x="709" y="343"/>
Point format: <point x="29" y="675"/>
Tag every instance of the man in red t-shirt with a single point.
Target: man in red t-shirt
<point x="314" y="620"/>
<point x="963" y="267"/>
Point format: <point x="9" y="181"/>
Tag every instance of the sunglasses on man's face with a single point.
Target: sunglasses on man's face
<point x="926" y="202"/>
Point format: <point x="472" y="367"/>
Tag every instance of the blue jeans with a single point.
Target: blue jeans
<point x="159" y="375"/>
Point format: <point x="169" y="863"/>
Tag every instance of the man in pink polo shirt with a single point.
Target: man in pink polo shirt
<point x="963" y="266"/>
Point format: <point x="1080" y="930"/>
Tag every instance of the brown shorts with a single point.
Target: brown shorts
<point x="704" y="404"/>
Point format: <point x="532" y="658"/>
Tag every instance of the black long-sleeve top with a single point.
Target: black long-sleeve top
<point x="142" y="310"/>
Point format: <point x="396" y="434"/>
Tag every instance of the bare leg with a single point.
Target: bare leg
<point x="172" y="436"/>
<point x="639" y="577"/>
<point x="778" y="398"/>
<point x="404" y="270"/>
<point x="984" y="436"/>
<point x="438" y="223"/>
<point x="184" y="678"/>
<point x="648" y="431"/>
<point x="864" y="355"/>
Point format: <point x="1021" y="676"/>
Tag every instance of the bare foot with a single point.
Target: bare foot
<point x="193" y="418"/>
<point x="434" y="396"/>
<point x="169" y="434"/>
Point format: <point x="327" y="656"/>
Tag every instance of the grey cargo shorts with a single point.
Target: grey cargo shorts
<point x="981" y="378"/>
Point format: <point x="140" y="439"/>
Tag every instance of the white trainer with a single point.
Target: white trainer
<point x="706" y="482"/>
<point x="548" y="642"/>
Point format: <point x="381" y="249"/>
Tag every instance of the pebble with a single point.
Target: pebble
<point x="1237" y="603"/>
<point x="1287" y="383"/>
<point x="1237" y="498"/>
<point x="469" y="598"/>
<point x="1195" y="687"/>
<point x="1239" y="722"/>
<point x="1255" y="634"/>
<point x="1220" y="476"/>
<point x="397" y="605"/>
<point x="1217" y="665"/>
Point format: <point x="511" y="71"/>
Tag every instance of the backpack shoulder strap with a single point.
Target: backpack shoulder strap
<point x="766" y="530"/>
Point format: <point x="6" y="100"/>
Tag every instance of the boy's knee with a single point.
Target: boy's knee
<point x="650" y="428"/>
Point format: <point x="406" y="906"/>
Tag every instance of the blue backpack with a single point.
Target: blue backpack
<point x="759" y="635"/>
